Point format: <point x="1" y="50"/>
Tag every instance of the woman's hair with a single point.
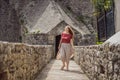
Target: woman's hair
<point x="70" y="31"/>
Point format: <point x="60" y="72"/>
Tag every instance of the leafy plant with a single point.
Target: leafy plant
<point x="98" y="43"/>
<point x="36" y="32"/>
<point x="102" y="5"/>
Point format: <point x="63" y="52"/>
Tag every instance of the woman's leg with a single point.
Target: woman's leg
<point x="63" y="61"/>
<point x="67" y="64"/>
<point x="62" y="51"/>
<point x="68" y="54"/>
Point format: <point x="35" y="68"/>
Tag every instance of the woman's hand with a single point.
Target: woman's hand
<point x="72" y="52"/>
<point x="73" y="47"/>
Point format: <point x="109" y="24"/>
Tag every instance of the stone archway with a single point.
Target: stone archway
<point x="57" y="41"/>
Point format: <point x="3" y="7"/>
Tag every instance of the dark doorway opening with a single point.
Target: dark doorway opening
<point x="57" y="41"/>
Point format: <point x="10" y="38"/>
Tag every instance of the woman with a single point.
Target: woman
<point x="66" y="46"/>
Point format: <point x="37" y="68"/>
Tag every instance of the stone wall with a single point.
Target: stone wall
<point x="29" y="11"/>
<point x="49" y="38"/>
<point x="88" y="39"/>
<point x="10" y="29"/>
<point x="21" y="61"/>
<point x="15" y="14"/>
<point x="80" y="11"/>
<point x="36" y="39"/>
<point x="99" y="62"/>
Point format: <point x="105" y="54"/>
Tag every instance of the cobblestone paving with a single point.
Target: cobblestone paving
<point x="52" y="72"/>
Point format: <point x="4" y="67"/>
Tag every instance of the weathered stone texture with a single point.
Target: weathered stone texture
<point x="15" y="14"/>
<point x="80" y="11"/>
<point x="78" y="7"/>
<point x="49" y="38"/>
<point x="22" y="61"/>
<point x="43" y="16"/>
<point x="99" y="62"/>
<point x="36" y="39"/>
<point x="10" y="29"/>
<point x="29" y="11"/>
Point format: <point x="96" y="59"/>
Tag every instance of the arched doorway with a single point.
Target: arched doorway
<point x="57" y="41"/>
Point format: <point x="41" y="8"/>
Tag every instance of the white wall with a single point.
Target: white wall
<point x="117" y="15"/>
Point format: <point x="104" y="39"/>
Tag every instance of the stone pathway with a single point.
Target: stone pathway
<point x="52" y="72"/>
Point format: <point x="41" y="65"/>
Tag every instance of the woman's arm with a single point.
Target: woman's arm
<point x="71" y="42"/>
<point x="72" y="50"/>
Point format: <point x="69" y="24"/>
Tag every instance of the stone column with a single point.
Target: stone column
<point x="117" y="15"/>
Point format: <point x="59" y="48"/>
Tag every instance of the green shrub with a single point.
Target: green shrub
<point x="98" y="43"/>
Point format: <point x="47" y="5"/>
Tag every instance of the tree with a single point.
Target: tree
<point x="102" y="5"/>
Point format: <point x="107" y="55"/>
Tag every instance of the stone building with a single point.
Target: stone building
<point x="42" y="21"/>
<point x="48" y="29"/>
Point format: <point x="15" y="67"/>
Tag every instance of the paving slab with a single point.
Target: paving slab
<point x="52" y="72"/>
